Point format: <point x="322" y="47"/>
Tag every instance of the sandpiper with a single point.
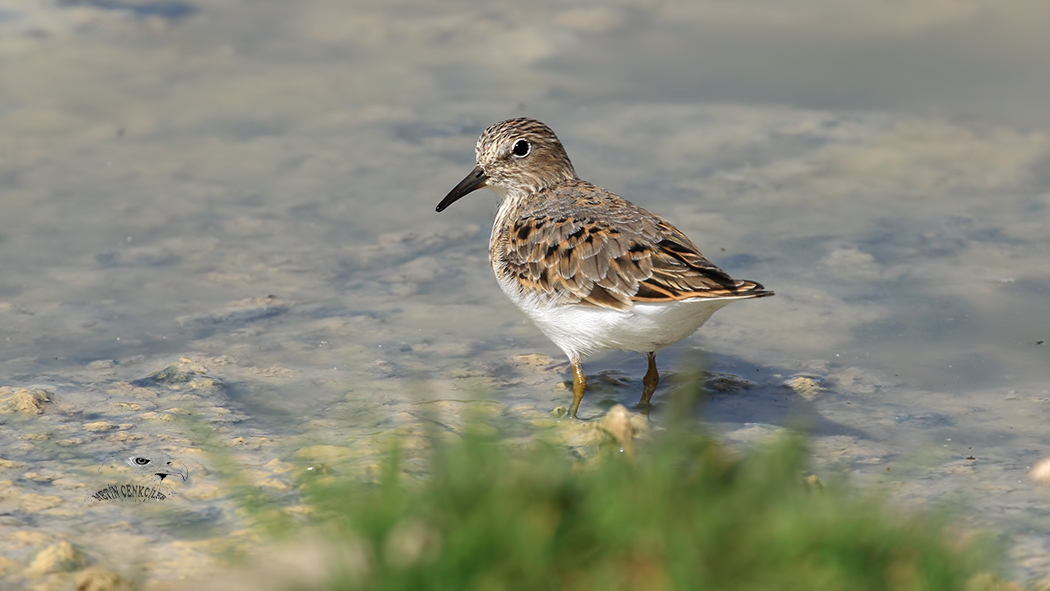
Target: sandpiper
<point x="592" y="270"/>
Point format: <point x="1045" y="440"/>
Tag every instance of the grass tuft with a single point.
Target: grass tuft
<point x="683" y="513"/>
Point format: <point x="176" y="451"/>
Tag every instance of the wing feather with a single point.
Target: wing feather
<point x="598" y="249"/>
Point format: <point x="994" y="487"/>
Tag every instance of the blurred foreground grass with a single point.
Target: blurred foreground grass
<point x="682" y="512"/>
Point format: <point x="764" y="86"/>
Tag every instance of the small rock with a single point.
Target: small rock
<point x="617" y="422"/>
<point x="725" y="382"/>
<point x="316" y="469"/>
<point x="23" y="400"/>
<point x="808" y="387"/>
<point x="96" y="579"/>
<point x="1040" y="472"/>
<point x="813" y="483"/>
<point x="61" y="557"/>
<point x="98" y="426"/>
<point x="176" y="377"/>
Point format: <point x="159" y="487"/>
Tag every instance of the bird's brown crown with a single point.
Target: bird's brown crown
<point x="523" y="155"/>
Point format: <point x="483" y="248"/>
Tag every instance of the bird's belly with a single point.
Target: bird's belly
<point x="582" y="330"/>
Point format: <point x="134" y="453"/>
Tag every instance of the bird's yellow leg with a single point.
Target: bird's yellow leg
<point x="650" y="381"/>
<point x="579" y="385"/>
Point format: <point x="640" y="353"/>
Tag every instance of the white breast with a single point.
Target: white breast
<point x="581" y="330"/>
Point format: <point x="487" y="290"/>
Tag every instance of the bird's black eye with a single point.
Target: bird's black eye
<point x="141" y="461"/>
<point x="521" y="148"/>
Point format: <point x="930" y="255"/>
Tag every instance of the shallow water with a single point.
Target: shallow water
<point x="250" y="187"/>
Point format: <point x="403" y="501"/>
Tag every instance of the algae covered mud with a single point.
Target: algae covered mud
<point x="218" y="234"/>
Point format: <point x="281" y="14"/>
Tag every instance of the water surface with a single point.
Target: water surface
<point x="245" y="191"/>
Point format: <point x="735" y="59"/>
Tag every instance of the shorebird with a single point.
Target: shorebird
<point x="592" y="270"/>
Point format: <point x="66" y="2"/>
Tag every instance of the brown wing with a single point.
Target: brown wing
<point x="610" y="253"/>
<point x="680" y="271"/>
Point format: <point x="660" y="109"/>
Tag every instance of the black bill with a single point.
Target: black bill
<point x="474" y="181"/>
